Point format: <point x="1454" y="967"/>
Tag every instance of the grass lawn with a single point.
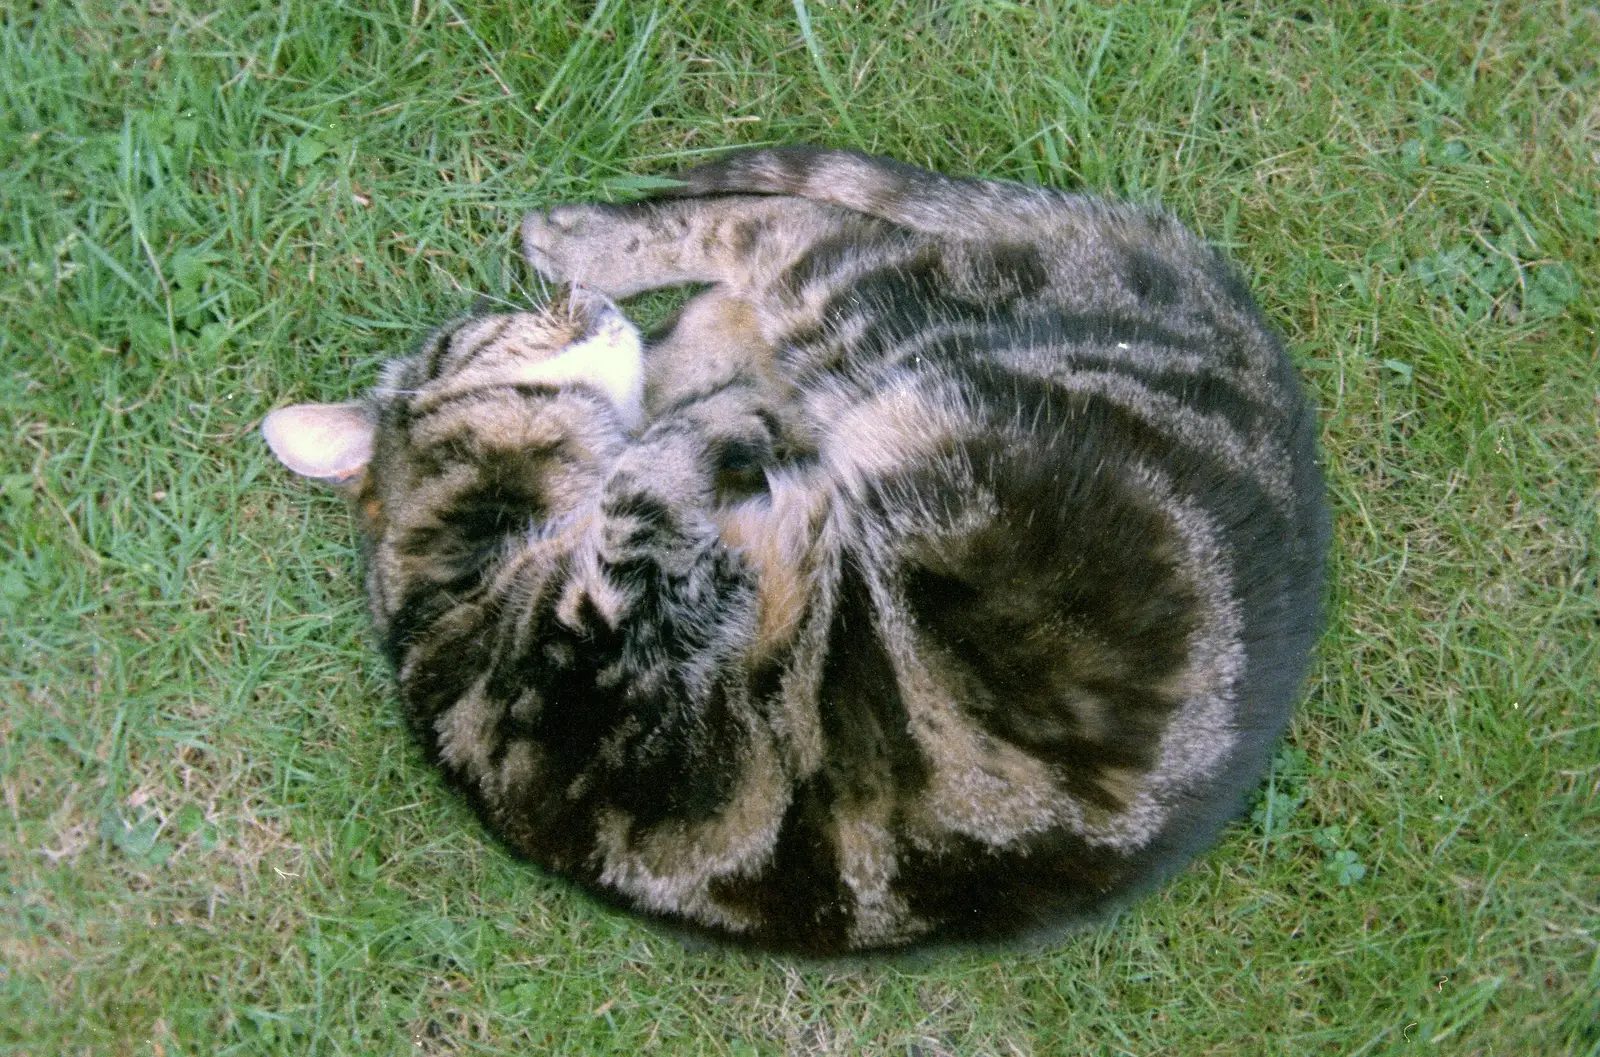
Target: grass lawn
<point x="216" y="837"/>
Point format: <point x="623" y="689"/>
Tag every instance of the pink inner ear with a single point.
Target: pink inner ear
<point x="330" y="442"/>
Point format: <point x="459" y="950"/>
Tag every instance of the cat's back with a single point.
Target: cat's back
<point x="1078" y="532"/>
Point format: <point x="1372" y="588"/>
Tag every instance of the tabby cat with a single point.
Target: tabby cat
<point x="946" y="574"/>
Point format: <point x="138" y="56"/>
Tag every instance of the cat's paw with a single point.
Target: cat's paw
<point x="560" y="244"/>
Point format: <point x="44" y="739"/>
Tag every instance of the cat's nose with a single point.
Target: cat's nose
<point x="595" y="309"/>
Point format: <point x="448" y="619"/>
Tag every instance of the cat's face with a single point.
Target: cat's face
<point x="492" y="419"/>
<point x="580" y="337"/>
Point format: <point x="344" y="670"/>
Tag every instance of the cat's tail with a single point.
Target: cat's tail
<point x="894" y="191"/>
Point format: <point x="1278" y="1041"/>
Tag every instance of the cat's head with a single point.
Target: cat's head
<point x="579" y="338"/>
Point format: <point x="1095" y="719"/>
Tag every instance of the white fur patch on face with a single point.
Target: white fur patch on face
<point x="610" y="357"/>
<point x="530" y="348"/>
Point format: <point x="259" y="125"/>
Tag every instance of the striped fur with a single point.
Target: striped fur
<point x="950" y="580"/>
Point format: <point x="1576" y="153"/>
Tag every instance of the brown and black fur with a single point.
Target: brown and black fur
<point x="952" y="582"/>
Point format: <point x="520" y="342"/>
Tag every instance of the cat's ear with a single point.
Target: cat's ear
<point x="326" y="442"/>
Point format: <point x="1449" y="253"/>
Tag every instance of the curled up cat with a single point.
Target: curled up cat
<point x="946" y="574"/>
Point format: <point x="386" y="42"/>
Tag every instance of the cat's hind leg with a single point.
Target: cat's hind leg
<point x="620" y="250"/>
<point x="714" y="342"/>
